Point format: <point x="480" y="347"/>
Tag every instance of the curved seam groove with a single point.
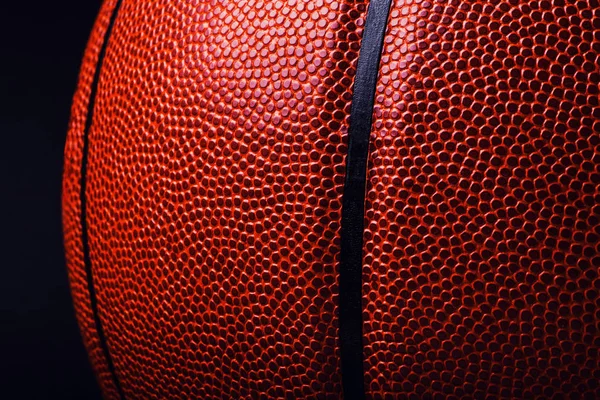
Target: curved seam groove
<point x="353" y="202"/>
<point x="84" y="234"/>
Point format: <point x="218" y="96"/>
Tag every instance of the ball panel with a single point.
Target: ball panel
<point x="215" y="172"/>
<point x="481" y="251"/>
<point x="72" y="204"/>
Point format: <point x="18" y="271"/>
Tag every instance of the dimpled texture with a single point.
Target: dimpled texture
<point x="481" y="248"/>
<point x="214" y="182"/>
<point x="213" y="186"/>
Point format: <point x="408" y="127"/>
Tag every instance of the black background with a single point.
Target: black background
<point x="41" y="351"/>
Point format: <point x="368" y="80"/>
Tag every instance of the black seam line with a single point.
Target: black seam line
<point x="353" y="202"/>
<point x="84" y="234"/>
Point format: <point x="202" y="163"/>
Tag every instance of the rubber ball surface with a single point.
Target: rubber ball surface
<point x="203" y="185"/>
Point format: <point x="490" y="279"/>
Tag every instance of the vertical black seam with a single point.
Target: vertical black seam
<point x="353" y="202"/>
<point x="84" y="234"/>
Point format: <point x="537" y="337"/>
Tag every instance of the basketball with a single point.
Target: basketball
<point x="325" y="199"/>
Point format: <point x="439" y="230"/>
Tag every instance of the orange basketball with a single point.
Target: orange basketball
<point x="309" y="199"/>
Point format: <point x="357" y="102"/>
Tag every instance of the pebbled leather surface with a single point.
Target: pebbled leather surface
<point x="215" y="176"/>
<point x="481" y="248"/>
<point x="214" y="180"/>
